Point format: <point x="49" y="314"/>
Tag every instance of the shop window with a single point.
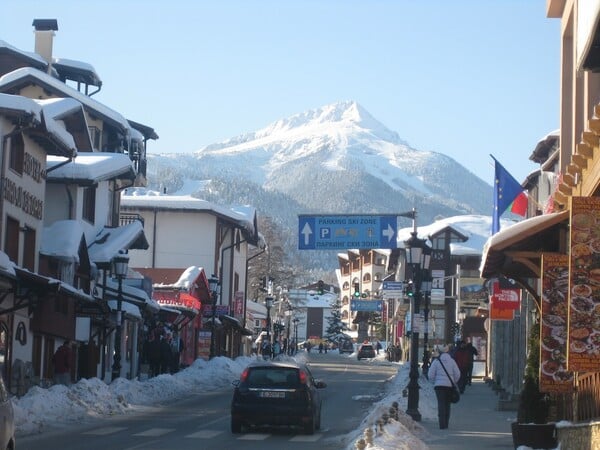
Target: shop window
<point x="11" y="240"/>
<point x="439" y="243"/>
<point x="95" y="137"/>
<point x="29" y="248"/>
<point x="17" y="153"/>
<point x="89" y="204"/>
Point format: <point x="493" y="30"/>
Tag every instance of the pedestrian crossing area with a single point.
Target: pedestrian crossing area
<point x="203" y="434"/>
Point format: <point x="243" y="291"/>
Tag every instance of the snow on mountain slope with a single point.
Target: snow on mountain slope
<point x="335" y="134"/>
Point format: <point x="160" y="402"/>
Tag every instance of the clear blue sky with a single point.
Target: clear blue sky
<point x="462" y="78"/>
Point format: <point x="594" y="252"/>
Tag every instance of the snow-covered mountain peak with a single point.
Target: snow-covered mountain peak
<point x="339" y="123"/>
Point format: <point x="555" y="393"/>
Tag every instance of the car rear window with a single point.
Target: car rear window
<point x="272" y="377"/>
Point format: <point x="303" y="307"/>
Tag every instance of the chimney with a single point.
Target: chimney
<point x="44" y="33"/>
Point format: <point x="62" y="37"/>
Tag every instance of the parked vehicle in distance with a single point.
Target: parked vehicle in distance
<point x="276" y="393"/>
<point x="365" y="351"/>
<point x="7" y="419"/>
<point x="346" y="346"/>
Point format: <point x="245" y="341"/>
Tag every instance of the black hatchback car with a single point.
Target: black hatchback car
<point x="276" y="393"/>
<point x="366" y="351"/>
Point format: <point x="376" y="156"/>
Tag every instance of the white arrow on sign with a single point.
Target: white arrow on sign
<point x="306" y="231"/>
<point x="389" y="233"/>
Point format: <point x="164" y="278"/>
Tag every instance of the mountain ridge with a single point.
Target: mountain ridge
<point x="337" y="159"/>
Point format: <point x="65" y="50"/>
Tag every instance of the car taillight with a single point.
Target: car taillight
<point x="303" y="377"/>
<point x="244" y="375"/>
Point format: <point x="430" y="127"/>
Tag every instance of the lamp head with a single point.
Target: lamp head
<point x="120" y="263"/>
<point x="213" y="283"/>
<point x="414" y="249"/>
<point x="269" y="302"/>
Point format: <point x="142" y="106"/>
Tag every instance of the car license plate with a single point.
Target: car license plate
<point x="272" y="394"/>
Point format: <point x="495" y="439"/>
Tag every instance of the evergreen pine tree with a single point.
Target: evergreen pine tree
<point x="335" y="326"/>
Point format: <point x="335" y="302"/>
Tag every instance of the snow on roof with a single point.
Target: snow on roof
<point x="53" y="111"/>
<point x="98" y="107"/>
<point x="88" y="167"/>
<point x="126" y="307"/>
<point x="320" y="301"/>
<point x="137" y="295"/>
<point x="186" y="279"/>
<point x="110" y="241"/>
<point x="256" y="308"/>
<point x="244" y="216"/>
<point x="29" y="55"/>
<point x="61" y="240"/>
<point x="79" y="65"/>
<point x="475" y="227"/>
<point x="24" y="105"/>
<point x="6" y="265"/>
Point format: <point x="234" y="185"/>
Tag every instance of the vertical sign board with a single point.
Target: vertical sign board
<point x="337" y="232"/>
<point x="438" y="291"/>
<point x="583" y="343"/>
<point x="553" y="347"/>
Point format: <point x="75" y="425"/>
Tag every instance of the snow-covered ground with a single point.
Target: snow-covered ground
<point x="41" y="410"/>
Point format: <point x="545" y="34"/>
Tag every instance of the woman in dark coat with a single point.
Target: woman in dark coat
<point x="166" y="356"/>
<point x="462" y="356"/>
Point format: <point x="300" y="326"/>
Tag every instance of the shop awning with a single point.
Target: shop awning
<point x="235" y="324"/>
<point x="515" y="252"/>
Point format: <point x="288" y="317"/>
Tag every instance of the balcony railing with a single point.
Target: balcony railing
<point x="127" y="218"/>
<point x="588" y="396"/>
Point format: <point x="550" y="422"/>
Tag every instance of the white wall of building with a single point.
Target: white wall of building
<point x="177" y="240"/>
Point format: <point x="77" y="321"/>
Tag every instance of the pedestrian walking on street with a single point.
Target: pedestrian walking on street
<point x="442" y="382"/>
<point x="62" y="360"/>
<point x="473" y="352"/>
<point x="463" y="358"/>
<point x="166" y="356"/>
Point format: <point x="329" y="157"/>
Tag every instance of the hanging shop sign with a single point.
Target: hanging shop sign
<point x="554" y="376"/>
<point x="504" y="300"/>
<point x="583" y="339"/>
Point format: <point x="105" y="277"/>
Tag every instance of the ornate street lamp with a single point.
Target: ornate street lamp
<point x="119" y="263"/>
<point x="213" y="285"/>
<point x="269" y="305"/>
<point x="417" y="258"/>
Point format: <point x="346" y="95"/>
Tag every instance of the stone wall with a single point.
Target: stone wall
<point x="579" y="436"/>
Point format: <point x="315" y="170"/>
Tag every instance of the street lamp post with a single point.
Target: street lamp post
<point x="213" y="285"/>
<point x="426" y="289"/>
<point x="418" y="263"/>
<point x="269" y="305"/>
<point x="296" y="320"/>
<point x="120" y="263"/>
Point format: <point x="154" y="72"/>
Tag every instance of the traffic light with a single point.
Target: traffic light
<point x="320" y="288"/>
<point x="408" y="290"/>
<point x="356" y="290"/>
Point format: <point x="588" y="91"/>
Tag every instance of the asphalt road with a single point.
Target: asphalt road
<point x="202" y="421"/>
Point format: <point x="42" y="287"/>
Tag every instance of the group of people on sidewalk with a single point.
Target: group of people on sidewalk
<point x="162" y="351"/>
<point x="451" y="368"/>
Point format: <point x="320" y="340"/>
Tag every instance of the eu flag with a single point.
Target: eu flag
<point x="506" y="190"/>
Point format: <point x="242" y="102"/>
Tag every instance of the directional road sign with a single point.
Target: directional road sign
<point x="338" y="232"/>
<point x="392" y="289"/>
<point x="366" y="305"/>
